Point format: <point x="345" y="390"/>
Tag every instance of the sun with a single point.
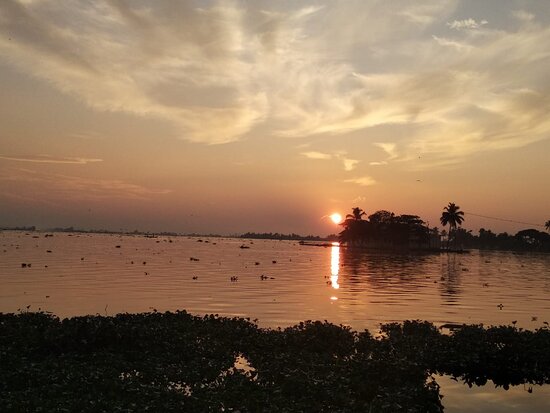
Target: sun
<point x="336" y="218"/>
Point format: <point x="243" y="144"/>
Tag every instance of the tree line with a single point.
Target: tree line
<point x="385" y="229"/>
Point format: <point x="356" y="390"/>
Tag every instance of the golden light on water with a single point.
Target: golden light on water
<point x="336" y="218"/>
<point x="334" y="265"/>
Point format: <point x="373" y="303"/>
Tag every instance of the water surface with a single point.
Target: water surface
<point x="77" y="274"/>
<point x="281" y="283"/>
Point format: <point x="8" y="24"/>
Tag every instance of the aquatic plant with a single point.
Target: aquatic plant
<point x="175" y="362"/>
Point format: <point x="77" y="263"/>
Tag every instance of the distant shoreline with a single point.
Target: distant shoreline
<point x="316" y="240"/>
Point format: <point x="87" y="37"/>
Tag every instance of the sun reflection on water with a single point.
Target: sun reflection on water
<point x="334" y="265"/>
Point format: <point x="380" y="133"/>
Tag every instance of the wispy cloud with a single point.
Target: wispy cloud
<point x="52" y="186"/>
<point x="442" y="41"/>
<point x="389" y="147"/>
<point x="50" y="159"/>
<point x="466" y="24"/>
<point x="348" y="163"/>
<point x="317" y="155"/>
<point x="296" y="70"/>
<point x="362" y="181"/>
<point x="523" y="15"/>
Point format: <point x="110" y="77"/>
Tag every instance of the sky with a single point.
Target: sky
<point x="234" y="116"/>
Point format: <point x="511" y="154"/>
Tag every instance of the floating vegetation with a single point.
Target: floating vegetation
<point x="174" y="362"/>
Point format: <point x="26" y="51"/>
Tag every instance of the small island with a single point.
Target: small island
<point x="384" y="230"/>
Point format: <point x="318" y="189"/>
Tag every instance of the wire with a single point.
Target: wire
<point x="503" y="219"/>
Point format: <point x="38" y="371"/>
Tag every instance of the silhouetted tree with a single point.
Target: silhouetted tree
<point x="537" y="240"/>
<point x="452" y="216"/>
<point x="382" y="217"/>
<point x="384" y="229"/>
<point x="357" y="214"/>
<point x="547" y="225"/>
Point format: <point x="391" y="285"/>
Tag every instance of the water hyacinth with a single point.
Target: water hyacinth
<point x="174" y="362"/>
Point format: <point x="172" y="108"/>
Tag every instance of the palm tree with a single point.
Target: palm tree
<point x="357" y="214"/>
<point x="452" y="216"/>
<point x="547" y="225"/>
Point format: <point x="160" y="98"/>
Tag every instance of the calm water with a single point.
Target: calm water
<point x="77" y="274"/>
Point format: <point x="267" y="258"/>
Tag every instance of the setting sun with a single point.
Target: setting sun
<point x="336" y="218"/>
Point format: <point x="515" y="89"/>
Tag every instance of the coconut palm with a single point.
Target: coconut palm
<point x="452" y="216"/>
<point x="547" y="225"/>
<point x="357" y="214"/>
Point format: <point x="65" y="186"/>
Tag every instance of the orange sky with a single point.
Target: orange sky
<point x="233" y="116"/>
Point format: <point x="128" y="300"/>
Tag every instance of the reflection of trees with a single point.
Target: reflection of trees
<point x="378" y="269"/>
<point x="450" y="280"/>
<point x="393" y="272"/>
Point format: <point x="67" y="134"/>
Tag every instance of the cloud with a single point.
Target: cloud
<point x="216" y="77"/>
<point x="466" y="24"/>
<point x="389" y="147"/>
<point x="349" y="164"/>
<point x="451" y="43"/>
<point x="362" y="181"/>
<point x="221" y="71"/>
<point x="51" y="186"/>
<point x="523" y="15"/>
<point x="378" y="163"/>
<point x="317" y="155"/>
<point x="51" y="159"/>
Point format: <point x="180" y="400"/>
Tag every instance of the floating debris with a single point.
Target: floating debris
<point x="193" y="259"/>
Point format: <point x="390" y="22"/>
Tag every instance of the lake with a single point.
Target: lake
<point x="280" y="283"/>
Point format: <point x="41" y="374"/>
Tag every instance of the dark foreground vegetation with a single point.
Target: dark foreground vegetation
<point x="176" y="362"/>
